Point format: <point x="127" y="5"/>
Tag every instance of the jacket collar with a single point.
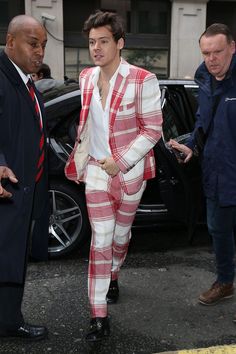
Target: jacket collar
<point x="9" y="69"/>
<point x="123" y="70"/>
<point x="120" y="85"/>
<point x="203" y="77"/>
<point x="14" y="77"/>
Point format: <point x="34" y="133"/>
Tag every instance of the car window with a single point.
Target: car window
<point x="192" y="93"/>
<point x="179" y="104"/>
<point x="169" y="126"/>
<point x="174" y="115"/>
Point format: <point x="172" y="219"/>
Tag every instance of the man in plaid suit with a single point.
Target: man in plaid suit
<point x="120" y="123"/>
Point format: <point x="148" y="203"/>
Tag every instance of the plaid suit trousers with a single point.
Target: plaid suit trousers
<point x="111" y="214"/>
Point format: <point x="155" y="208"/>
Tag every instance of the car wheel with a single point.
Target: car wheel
<point x="68" y="224"/>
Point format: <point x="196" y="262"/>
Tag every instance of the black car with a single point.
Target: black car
<point x="173" y="196"/>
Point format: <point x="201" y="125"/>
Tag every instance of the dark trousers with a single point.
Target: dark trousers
<point x="11" y="296"/>
<point x="221" y="222"/>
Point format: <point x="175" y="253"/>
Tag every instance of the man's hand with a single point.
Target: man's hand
<point x="6" y="172"/>
<point x="109" y="166"/>
<point x="181" y="148"/>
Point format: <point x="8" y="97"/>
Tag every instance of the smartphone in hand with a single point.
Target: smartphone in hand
<point x="179" y="154"/>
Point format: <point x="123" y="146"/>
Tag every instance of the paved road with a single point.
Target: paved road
<point x="157" y="311"/>
<point x="220" y="349"/>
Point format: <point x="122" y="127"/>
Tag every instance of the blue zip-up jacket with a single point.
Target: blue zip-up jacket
<point x="219" y="155"/>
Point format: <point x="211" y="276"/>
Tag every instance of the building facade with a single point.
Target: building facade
<point x="162" y="35"/>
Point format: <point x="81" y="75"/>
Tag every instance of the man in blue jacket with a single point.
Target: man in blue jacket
<point x="216" y="116"/>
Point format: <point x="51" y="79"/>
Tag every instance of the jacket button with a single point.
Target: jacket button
<point x="27" y="190"/>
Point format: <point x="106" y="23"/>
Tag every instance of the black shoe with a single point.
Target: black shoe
<point x="26" y="331"/>
<point x="98" y="330"/>
<point x="113" y="292"/>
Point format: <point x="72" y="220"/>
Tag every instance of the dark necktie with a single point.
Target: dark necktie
<point x="41" y="142"/>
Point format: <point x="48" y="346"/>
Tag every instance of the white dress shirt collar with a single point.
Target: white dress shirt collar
<point x="97" y="71"/>
<point x="24" y="77"/>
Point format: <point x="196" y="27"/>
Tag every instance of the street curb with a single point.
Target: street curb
<point x="223" y="349"/>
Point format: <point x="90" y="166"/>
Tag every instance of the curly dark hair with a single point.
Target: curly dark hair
<point x="105" y="18"/>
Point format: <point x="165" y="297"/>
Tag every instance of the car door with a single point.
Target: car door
<point x="179" y="184"/>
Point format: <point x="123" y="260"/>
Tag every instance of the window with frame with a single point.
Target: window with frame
<point x="147" y="25"/>
<point x="9" y="9"/>
<point x="4" y="13"/>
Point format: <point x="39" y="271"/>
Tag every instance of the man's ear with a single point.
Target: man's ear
<point x="9" y="41"/>
<point x="120" y="43"/>
<point x="233" y="46"/>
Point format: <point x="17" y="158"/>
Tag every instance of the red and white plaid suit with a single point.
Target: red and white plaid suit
<point x="134" y="128"/>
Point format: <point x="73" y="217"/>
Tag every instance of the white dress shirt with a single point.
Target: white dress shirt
<point x="99" y="134"/>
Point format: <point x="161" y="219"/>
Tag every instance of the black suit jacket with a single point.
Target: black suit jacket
<point x="19" y="150"/>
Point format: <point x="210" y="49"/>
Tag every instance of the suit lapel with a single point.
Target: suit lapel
<point x="10" y="71"/>
<point x="24" y="91"/>
<point x="27" y="97"/>
<point x="120" y="86"/>
<point x="87" y="96"/>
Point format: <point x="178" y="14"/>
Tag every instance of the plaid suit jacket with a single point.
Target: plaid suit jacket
<point x="135" y="126"/>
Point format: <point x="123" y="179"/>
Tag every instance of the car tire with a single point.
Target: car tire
<point x="69" y="227"/>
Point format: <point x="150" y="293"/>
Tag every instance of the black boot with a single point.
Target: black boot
<point x="98" y="330"/>
<point x="113" y="292"/>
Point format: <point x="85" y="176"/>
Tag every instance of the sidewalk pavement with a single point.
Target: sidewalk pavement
<point x="157" y="311"/>
<point x="225" y="349"/>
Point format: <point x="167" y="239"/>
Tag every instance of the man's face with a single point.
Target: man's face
<point x="35" y="76"/>
<point x="26" y="48"/>
<point x="103" y="49"/>
<point x="217" y="54"/>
